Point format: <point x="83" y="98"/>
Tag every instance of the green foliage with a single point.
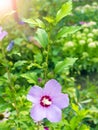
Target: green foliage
<point x="42" y="37"/>
<point x="65" y="31"/>
<point x="30" y="77"/>
<point x="84" y="46"/>
<point x="54" y="45"/>
<point x="34" y="23"/>
<point x="64" y="11"/>
<point x="64" y="65"/>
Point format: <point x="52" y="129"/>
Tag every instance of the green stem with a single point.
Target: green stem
<point x="46" y="62"/>
<point x="48" y="51"/>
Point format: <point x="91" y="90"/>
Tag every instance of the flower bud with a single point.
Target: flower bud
<point x="69" y="44"/>
<point x="92" y="45"/>
<point x="10" y="46"/>
<point x="45" y="53"/>
<point x="44" y="65"/>
<point x="78" y="36"/>
<point x="89" y="40"/>
<point x="90" y="35"/>
<point x="82" y="42"/>
<point x="86" y="30"/>
<point x="50" y="75"/>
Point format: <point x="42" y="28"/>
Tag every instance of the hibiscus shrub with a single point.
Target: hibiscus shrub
<point x="38" y="59"/>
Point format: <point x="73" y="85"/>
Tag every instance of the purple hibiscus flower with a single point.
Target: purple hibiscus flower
<point x="2" y="34"/>
<point x="48" y="101"/>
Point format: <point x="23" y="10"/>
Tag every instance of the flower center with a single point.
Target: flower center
<point x="45" y="101"/>
<point x="1" y="116"/>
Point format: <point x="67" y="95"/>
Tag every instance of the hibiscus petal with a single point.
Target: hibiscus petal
<point x="52" y="87"/>
<point x="38" y="113"/>
<point x="61" y="100"/>
<point x="34" y="94"/>
<point x="53" y="114"/>
<point x="35" y="100"/>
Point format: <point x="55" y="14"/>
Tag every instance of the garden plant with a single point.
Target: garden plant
<point x="49" y="67"/>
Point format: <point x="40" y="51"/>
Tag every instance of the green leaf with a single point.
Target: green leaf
<point x="83" y="113"/>
<point x="34" y="65"/>
<point x="95" y="60"/>
<point x="93" y="109"/>
<point x="4" y="106"/>
<point x="84" y="127"/>
<point x="49" y="19"/>
<point x="74" y="122"/>
<point x="18" y="41"/>
<point x="86" y="101"/>
<point x="63" y="32"/>
<point x="64" y="65"/>
<point x="31" y="77"/>
<point x="19" y="63"/>
<point x="4" y="126"/>
<point x="42" y="37"/>
<point x="75" y="107"/>
<point x="64" y="11"/>
<point x="3" y="80"/>
<point x="34" y="23"/>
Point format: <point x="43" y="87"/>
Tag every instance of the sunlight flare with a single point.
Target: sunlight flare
<point x="5" y="6"/>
